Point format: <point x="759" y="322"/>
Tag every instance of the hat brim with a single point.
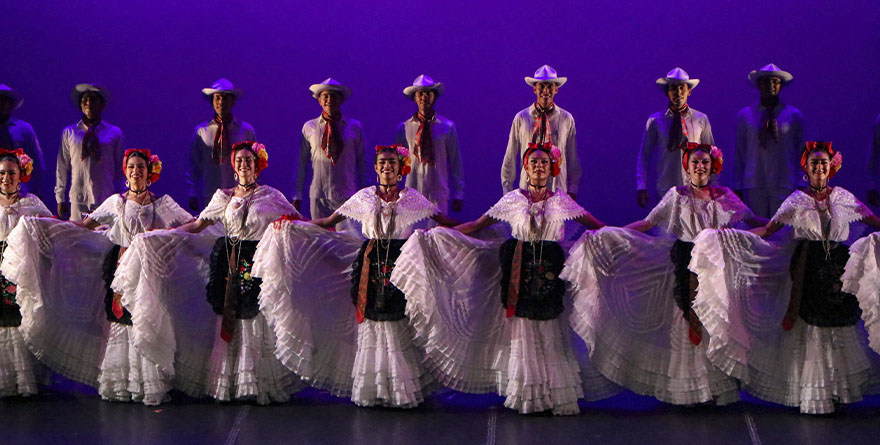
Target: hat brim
<point x="785" y="76"/>
<point x="664" y="81"/>
<point x="559" y="81"/>
<point x="410" y="91"/>
<point x="78" y="91"/>
<point x="317" y="88"/>
<point x="209" y="92"/>
<point x="17" y="100"/>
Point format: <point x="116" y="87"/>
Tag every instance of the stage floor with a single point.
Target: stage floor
<point x="68" y="413"/>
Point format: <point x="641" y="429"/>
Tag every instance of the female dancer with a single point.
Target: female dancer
<point x="242" y="362"/>
<point x="16" y="362"/>
<point x="375" y="362"/>
<point x="633" y="306"/>
<point x="806" y="351"/>
<point x="523" y="351"/>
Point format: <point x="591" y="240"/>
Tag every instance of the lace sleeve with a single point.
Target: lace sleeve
<point x="662" y="215"/>
<point x="562" y="208"/>
<point x="733" y="210"/>
<point x="361" y="206"/>
<point x="34" y="207"/>
<point x="414" y="207"/>
<point x="214" y="210"/>
<point x="170" y="213"/>
<point x="509" y="208"/>
<point x="107" y="212"/>
<point x="847" y="207"/>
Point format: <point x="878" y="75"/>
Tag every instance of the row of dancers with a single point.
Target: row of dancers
<point x="387" y="315"/>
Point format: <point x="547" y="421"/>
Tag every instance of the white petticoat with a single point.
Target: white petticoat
<point x="862" y="279"/>
<point x="17" y="365"/>
<point x="452" y="286"/>
<point x="126" y="375"/>
<point x="246" y="367"/>
<point x="745" y="286"/>
<point x="305" y="296"/>
<point x="625" y="311"/>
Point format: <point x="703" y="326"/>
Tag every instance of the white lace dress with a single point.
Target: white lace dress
<point x="745" y="288"/>
<point x="307" y="297"/>
<point x="862" y="279"/>
<point x="624" y="306"/>
<point x="453" y="301"/>
<point x="17" y="364"/>
<point x="126" y="374"/>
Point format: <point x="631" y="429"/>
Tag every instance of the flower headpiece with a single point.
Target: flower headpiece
<point x="25" y="163"/>
<point x="551" y="150"/>
<point x="836" y="158"/>
<point x="402" y="155"/>
<point x="154" y="164"/>
<point x="713" y="152"/>
<point x="258" y="149"/>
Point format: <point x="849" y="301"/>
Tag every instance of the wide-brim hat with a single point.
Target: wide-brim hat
<point x="677" y="75"/>
<point x="81" y="88"/>
<point x="546" y="73"/>
<point x="423" y="83"/>
<point x="222" y="86"/>
<point x="770" y="70"/>
<point x="6" y="90"/>
<point x="332" y="85"/>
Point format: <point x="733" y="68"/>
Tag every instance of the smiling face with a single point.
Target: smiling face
<point x="244" y="163"/>
<point x="10" y="176"/>
<point x="223" y="103"/>
<point x="545" y="92"/>
<point x="538" y="167"/>
<point x="699" y="167"/>
<point x="425" y="99"/>
<point x="387" y="166"/>
<point x="136" y="171"/>
<point x="91" y="104"/>
<point x="769" y="86"/>
<point x="818" y="167"/>
<point x="678" y="93"/>
<point x="330" y="101"/>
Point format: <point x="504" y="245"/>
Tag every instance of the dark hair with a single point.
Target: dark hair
<point x="140" y="155"/>
<point x="385" y="149"/>
<point x="11" y="157"/>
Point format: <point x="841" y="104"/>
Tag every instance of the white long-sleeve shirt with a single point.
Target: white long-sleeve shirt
<point x="335" y="182"/>
<point x="776" y="165"/>
<point x="664" y="166"/>
<point x="874" y="161"/>
<point x="444" y="178"/>
<point x="563" y="136"/>
<point x="91" y="181"/>
<point x="23" y="136"/>
<point x="205" y="176"/>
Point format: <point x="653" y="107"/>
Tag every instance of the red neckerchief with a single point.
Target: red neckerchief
<point x="542" y="132"/>
<point x="91" y="145"/>
<point x="678" y="132"/>
<point x="222" y="147"/>
<point x="424" y="144"/>
<point x="331" y="140"/>
<point x="769" y="124"/>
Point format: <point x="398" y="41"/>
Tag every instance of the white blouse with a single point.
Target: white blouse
<point x="681" y="215"/>
<point x="409" y="208"/>
<point x="28" y="205"/>
<point x="807" y="218"/>
<point x="516" y="209"/>
<point x="128" y="218"/>
<point x="248" y="216"/>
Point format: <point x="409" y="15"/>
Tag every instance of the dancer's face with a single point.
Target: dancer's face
<point x="818" y="167"/>
<point x="136" y="172"/>
<point x="330" y="101"/>
<point x="388" y="168"/>
<point x="699" y="167"/>
<point x="678" y="94"/>
<point x="769" y="86"/>
<point x="223" y="103"/>
<point x="545" y="93"/>
<point x="425" y="100"/>
<point x="10" y="176"/>
<point x="91" y="104"/>
<point x="245" y="166"/>
<point x="538" y="167"/>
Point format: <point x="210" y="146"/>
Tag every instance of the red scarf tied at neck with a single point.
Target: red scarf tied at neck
<point x="91" y="144"/>
<point x="331" y="140"/>
<point x="678" y="132"/>
<point x="542" y="133"/>
<point x="424" y="144"/>
<point x="222" y="148"/>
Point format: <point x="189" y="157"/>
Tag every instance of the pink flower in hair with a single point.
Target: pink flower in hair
<point x="836" y="161"/>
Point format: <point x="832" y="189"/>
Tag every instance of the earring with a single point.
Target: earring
<point x="18" y="189"/>
<point x="235" y="176"/>
<point x="806" y="179"/>
<point x="149" y="183"/>
<point x="399" y="178"/>
<point x="127" y="185"/>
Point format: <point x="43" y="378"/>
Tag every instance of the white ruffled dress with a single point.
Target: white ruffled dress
<point x="624" y="307"/>
<point x="745" y="287"/>
<point x="452" y="283"/>
<point x="862" y="279"/>
<point x="306" y="296"/>
<point x="17" y="364"/>
<point x="126" y="374"/>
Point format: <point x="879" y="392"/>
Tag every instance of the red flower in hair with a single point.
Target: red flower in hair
<point x="836" y="158"/>
<point x="154" y="164"/>
<point x="261" y="160"/>
<point x="25" y="163"/>
<point x="713" y="152"/>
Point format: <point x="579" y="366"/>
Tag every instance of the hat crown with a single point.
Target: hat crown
<point x="546" y="72"/>
<point x="770" y="67"/>
<point x="423" y="81"/>
<point x="678" y="74"/>
<point x="331" y="81"/>
<point x="222" y="84"/>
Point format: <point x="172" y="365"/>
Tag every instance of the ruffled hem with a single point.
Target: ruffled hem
<point x="246" y="368"/>
<point x="17" y="365"/>
<point x="387" y="368"/>
<point x="126" y="375"/>
<point x="862" y="279"/>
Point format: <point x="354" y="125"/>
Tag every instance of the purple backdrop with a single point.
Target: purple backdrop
<point x="156" y="56"/>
